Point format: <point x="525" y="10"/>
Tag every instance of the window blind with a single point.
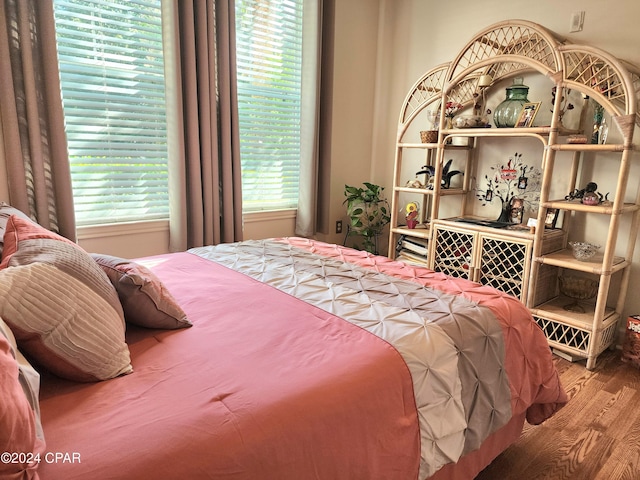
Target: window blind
<point x="269" y="64"/>
<point x="112" y="78"/>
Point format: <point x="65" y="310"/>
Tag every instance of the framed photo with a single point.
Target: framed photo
<point x="517" y="210"/>
<point x="527" y="114"/>
<point x="551" y="218"/>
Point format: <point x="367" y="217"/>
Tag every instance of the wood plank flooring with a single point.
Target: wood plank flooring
<point x="596" y="436"/>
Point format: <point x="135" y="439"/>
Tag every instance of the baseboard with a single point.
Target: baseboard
<point x="566" y="356"/>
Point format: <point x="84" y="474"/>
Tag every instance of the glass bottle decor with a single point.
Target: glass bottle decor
<point x="603" y="131"/>
<point x="506" y="113"/>
<point x="598" y="116"/>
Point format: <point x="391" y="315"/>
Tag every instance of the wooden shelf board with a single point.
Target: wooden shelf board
<point x="517" y="131"/>
<point x="565" y="259"/>
<point x="501" y="232"/>
<point x="419" y="191"/>
<point x="587" y="147"/>
<point x="421" y="231"/>
<point x="417" y="145"/>
<point x="554" y="310"/>
<point x="453" y="191"/>
<point x="432" y="146"/>
<point x="575" y="205"/>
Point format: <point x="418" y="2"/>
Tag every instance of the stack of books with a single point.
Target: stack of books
<point x="412" y="250"/>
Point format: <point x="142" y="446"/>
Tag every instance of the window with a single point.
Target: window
<point x="112" y="77"/>
<point x="269" y="62"/>
<point x="113" y="92"/>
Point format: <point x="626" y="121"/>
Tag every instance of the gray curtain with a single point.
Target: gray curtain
<point x="35" y="145"/>
<point x="317" y="97"/>
<point x="205" y="187"/>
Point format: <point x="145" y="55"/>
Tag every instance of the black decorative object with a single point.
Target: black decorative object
<point x="589" y="195"/>
<point x="447" y="175"/>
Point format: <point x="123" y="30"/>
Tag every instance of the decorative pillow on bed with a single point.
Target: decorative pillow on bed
<point x="145" y="299"/>
<point x="20" y="428"/>
<point x="6" y="211"/>
<point x="60" y="305"/>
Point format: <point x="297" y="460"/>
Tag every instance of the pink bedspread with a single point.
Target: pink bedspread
<point x="267" y="386"/>
<point x="250" y="391"/>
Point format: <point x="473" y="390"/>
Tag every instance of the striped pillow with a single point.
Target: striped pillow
<point x="60" y="305"/>
<point x="6" y="211"/>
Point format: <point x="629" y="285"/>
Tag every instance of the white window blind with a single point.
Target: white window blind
<point x="112" y="76"/>
<point x="269" y="63"/>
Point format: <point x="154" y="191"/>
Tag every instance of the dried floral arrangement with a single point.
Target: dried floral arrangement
<point x="451" y="108"/>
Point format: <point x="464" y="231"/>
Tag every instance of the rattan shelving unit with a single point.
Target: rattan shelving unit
<point x="526" y="264"/>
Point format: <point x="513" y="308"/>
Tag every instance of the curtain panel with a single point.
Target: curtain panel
<point x="317" y="96"/>
<point x="204" y="148"/>
<point x="34" y="141"/>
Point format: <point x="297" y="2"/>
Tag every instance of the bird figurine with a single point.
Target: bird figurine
<point x="445" y="181"/>
<point x="428" y="171"/>
<point x="448" y="175"/>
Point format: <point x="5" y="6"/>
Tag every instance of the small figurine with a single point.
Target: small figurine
<point x="411" y="214"/>
<point x="588" y="195"/>
<point x="415" y="183"/>
<point x="428" y="171"/>
<point x="447" y="175"/>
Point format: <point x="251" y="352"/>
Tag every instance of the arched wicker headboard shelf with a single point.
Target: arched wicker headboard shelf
<point x="505" y="49"/>
<point x="514" y="47"/>
<point x="499" y="52"/>
<point x="425" y="92"/>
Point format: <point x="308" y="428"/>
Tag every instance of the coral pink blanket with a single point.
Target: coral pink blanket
<point x="262" y="386"/>
<point x="427" y="371"/>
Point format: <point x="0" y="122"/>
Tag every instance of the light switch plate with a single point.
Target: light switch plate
<point x="577" y="22"/>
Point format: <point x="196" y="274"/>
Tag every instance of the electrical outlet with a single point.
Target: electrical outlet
<point x="577" y="22"/>
<point x="338" y="226"/>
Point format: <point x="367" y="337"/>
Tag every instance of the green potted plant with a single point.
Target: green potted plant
<point x="368" y="213"/>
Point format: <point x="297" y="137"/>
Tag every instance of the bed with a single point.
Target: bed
<point x="291" y="359"/>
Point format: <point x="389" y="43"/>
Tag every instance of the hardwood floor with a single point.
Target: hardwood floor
<point x="596" y="436"/>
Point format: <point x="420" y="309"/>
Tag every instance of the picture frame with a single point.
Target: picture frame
<point x="516" y="210"/>
<point x="527" y="114"/>
<point x="551" y="218"/>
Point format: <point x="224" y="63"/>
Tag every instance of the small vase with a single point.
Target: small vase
<point x="448" y="122"/>
<point x="505" y="213"/>
<point x="506" y="113"/>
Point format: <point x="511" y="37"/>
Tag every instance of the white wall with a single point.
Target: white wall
<point x="356" y="43"/>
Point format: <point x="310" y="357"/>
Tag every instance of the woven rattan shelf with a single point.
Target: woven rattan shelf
<point x="575" y="337"/>
<point x="565" y="259"/>
<point x="605" y="208"/>
<point x="421" y="231"/>
<point x="522" y="263"/>
<point x="432" y="146"/>
<point x="554" y="310"/>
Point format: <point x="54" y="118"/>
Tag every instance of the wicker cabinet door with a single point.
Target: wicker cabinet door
<point x="504" y="265"/>
<point x="453" y="252"/>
